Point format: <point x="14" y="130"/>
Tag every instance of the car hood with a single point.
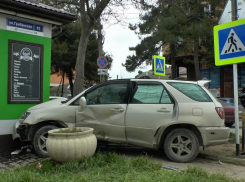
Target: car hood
<point x="50" y="103"/>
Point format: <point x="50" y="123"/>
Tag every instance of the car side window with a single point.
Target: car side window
<point x="165" y="98"/>
<point x="107" y="94"/>
<point x="192" y="91"/>
<point x="148" y="94"/>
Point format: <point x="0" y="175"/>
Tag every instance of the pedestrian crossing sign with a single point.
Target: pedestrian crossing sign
<point x="159" y="65"/>
<point x="229" y="43"/>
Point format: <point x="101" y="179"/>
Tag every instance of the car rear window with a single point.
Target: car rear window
<point x="192" y="91"/>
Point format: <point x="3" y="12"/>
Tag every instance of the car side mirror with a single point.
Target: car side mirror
<point x="82" y="102"/>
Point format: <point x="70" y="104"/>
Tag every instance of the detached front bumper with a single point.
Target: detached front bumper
<point x="15" y="135"/>
<point x="21" y="132"/>
<point x="214" y="135"/>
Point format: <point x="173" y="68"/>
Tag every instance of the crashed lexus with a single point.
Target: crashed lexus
<point x="173" y="115"/>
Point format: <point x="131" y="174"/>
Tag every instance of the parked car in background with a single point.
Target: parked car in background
<point x="177" y="116"/>
<point x="230" y="101"/>
<point x="230" y="112"/>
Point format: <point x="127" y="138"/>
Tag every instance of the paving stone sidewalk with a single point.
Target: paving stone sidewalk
<point x="8" y="161"/>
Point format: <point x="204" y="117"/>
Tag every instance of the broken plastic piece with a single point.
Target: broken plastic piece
<point x="171" y="168"/>
<point x="39" y="165"/>
<point x="221" y="163"/>
<point x="16" y="152"/>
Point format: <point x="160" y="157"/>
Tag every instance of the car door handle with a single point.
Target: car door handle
<point x="117" y="110"/>
<point x="163" y="110"/>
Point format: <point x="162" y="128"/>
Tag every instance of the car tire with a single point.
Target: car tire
<point x="181" y="145"/>
<point x="40" y="139"/>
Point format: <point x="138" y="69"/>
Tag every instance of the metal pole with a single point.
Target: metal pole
<point x="236" y="109"/>
<point x="243" y="132"/>
<point x="235" y="81"/>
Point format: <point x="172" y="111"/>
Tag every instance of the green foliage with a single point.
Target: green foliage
<point x="232" y="137"/>
<point x="107" y="166"/>
<point x="64" y="53"/>
<point x="179" y="23"/>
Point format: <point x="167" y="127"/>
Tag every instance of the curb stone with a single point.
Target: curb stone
<point x="230" y="160"/>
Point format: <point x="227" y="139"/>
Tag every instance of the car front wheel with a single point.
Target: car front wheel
<point x="40" y="139"/>
<point x="181" y="145"/>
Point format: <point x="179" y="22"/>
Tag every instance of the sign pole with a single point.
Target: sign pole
<point x="235" y="81"/>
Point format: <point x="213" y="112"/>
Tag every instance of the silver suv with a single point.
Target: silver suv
<point x="178" y="116"/>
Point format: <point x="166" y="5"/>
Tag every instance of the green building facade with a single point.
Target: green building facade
<point x="26" y="31"/>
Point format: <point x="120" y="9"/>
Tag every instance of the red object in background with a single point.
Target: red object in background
<point x="102" y="62"/>
<point x="230" y="113"/>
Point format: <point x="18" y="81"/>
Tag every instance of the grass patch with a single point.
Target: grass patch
<point x="107" y="166"/>
<point x="232" y="137"/>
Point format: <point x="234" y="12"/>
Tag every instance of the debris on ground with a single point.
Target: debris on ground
<point x="221" y="163"/>
<point x="171" y="168"/>
<point x="16" y="152"/>
<point x="39" y="165"/>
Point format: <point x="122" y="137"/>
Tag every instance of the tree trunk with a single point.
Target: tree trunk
<point x="172" y="57"/>
<point x="196" y="62"/>
<point x="79" y="81"/>
<point x="87" y="21"/>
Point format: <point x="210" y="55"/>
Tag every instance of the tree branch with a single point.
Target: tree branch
<point x="88" y="11"/>
<point x="100" y="8"/>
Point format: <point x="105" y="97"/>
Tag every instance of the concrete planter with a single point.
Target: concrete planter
<point x="74" y="146"/>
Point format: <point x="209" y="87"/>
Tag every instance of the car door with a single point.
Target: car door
<point x="105" y="111"/>
<point x="149" y="108"/>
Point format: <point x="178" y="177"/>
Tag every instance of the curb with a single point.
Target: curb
<point x="230" y="160"/>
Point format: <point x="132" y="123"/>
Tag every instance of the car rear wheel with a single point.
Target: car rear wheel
<point x="40" y="139"/>
<point x="181" y="145"/>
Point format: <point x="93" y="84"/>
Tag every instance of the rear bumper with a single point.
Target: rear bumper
<point x="214" y="135"/>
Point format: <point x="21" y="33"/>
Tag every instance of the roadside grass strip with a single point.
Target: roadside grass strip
<point x="107" y="166"/>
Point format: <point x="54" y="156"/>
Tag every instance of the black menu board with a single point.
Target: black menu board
<point x="25" y="72"/>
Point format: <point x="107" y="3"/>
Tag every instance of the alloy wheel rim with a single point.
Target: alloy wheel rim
<point x="181" y="146"/>
<point x="42" y="142"/>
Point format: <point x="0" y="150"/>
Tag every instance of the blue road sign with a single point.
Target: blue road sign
<point x="102" y="62"/>
<point x="159" y="65"/>
<point x="229" y="41"/>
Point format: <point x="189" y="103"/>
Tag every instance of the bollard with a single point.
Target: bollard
<point x="243" y="130"/>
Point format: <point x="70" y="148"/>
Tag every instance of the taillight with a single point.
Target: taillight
<point x="220" y="112"/>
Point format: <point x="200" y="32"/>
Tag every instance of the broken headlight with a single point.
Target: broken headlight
<point x="24" y="116"/>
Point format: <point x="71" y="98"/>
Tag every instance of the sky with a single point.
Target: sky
<point x="118" y="39"/>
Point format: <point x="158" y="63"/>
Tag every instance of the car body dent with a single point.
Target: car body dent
<point x="105" y="119"/>
<point x="141" y="126"/>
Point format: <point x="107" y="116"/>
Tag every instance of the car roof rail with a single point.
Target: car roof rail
<point x="203" y="82"/>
